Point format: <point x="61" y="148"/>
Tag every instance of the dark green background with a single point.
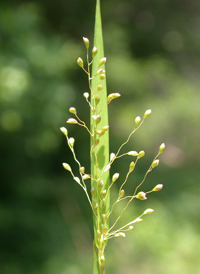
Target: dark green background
<point x="153" y="61"/>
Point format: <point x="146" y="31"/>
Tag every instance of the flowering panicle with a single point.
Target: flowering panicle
<point x="99" y="191"/>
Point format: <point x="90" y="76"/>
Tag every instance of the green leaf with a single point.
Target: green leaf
<point x="102" y="150"/>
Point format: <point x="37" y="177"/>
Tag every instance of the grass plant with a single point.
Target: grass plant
<point x="98" y="194"/>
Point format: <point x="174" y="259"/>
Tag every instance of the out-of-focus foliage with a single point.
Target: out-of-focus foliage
<point x="153" y="61"/>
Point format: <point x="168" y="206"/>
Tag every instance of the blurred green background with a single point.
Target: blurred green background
<point x="153" y="61"/>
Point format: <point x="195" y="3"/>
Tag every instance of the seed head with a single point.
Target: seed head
<point x="155" y="163"/>
<point x="148" y="211"/>
<point x="94" y="52"/>
<point x="141" y="154"/>
<point x="77" y="180"/>
<point x="112" y="156"/>
<point x="141" y="196"/>
<point x="64" y="131"/>
<point x="115" y="177"/>
<point x="147" y="113"/>
<point x="82" y="169"/>
<point x="158" y="187"/>
<point x="99" y="87"/>
<point x="137" y="120"/>
<point x="99" y="71"/>
<point x="97" y="118"/>
<point x="72" y="110"/>
<point x="71" y="142"/>
<point x="102" y="76"/>
<point x="103" y="194"/>
<point x="122" y="192"/>
<point x="72" y="121"/>
<point x="137" y="220"/>
<point x="93" y="109"/>
<point x="96" y="98"/>
<point x="106" y="168"/>
<point x="161" y="148"/>
<point x="120" y="234"/>
<point x="86" y="42"/>
<point x="86" y="95"/>
<point x="67" y="167"/>
<point x="132" y="166"/>
<point x="80" y="62"/>
<point x="105" y="128"/>
<point x="113" y="96"/>
<point x="86" y="176"/>
<point x="100" y="184"/>
<point x="99" y="132"/>
<point x="132" y="153"/>
<point x="102" y="61"/>
<point x="104" y="217"/>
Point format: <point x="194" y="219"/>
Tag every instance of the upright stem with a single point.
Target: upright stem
<point x="100" y="152"/>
